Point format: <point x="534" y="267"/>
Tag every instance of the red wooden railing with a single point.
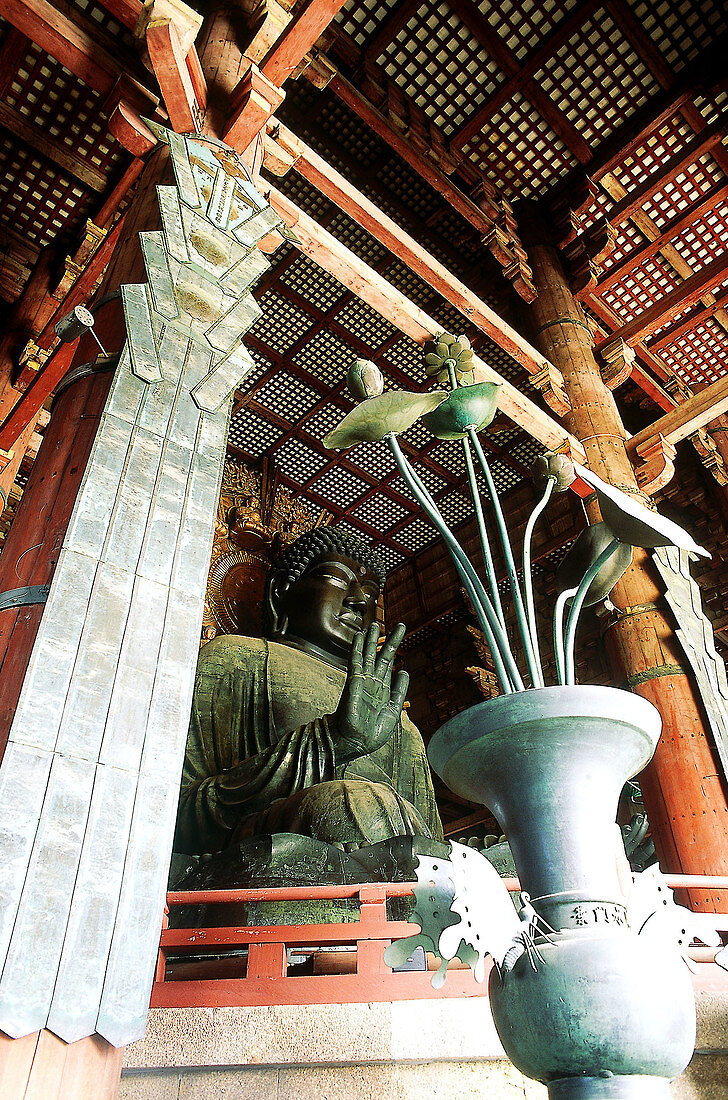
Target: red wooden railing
<point x="233" y="965"/>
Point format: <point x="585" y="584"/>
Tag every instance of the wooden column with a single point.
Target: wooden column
<point x="683" y="791"/>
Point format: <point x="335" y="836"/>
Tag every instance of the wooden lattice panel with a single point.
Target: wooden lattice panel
<point x="649" y="157"/>
<point x="100" y="17"/>
<point x="47" y="95"/>
<point x="312" y="283"/>
<point x="362" y="18"/>
<point x="699" y="357"/>
<point x="523" y="24"/>
<point x="416" y="535"/>
<point x="326" y="356"/>
<point x="436" y="60"/>
<point x="282" y="324"/>
<point x="518" y="148"/>
<point x="380" y="512"/>
<point x="301" y="464"/>
<point x="252" y="434"/>
<point x="634" y="293"/>
<point x="37" y="200"/>
<point x="680" y="30"/>
<point x="689" y="186"/>
<point x="339" y="486"/>
<point x="596" y="78"/>
<point x="706" y="238"/>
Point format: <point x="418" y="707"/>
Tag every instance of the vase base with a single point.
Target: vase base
<point x="622" y="1087"/>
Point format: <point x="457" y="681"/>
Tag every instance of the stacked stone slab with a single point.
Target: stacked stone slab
<point x="90" y="780"/>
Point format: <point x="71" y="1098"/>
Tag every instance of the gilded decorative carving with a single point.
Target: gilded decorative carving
<point x="255" y="516"/>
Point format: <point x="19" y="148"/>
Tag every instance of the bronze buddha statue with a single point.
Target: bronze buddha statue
<point x="300" y="737"/>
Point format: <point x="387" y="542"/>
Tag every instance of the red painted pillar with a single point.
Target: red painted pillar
<point x="683" y="790"/>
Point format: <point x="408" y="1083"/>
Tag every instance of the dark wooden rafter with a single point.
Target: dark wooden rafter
<point x="517" y="82"/>
<point x="494" y="45"/>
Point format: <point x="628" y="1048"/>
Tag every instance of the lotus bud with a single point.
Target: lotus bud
<point x="364" y="379"/>
<point x="559" y="468"/>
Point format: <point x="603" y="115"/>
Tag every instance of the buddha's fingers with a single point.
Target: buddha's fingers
<point x="388" y="650"/>
<point x="399" y="693"/>
<point x="355" y="655"/>
<point x="370" y="650"/>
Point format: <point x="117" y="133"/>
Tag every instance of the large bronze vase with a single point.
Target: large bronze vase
<point x="605" y="1013"/>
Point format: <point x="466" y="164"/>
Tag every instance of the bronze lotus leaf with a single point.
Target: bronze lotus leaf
<point x="466" y="407"/>
<point x="557" y="467"/>
<point x="631" y="522"/>
<point x="585" y="549"/>
<point x="364" y="379"/>
<point x="376" y="417"/>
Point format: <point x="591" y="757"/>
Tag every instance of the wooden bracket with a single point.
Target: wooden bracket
<point x="167" y="53"/>
<point x="126" y="125"/>
<point x="549" y="381"/>
<point x="585" y="254"/>
<point x="618" y="360"/>
<point x="710" y="456"/>
<point x="317" y="69"/>
<point x="93" y="235"/>
<point x="281" y="150"/>
<point x="566" y="212"/>
<point x="657" y="466"/>
<point x="255" y="99"/>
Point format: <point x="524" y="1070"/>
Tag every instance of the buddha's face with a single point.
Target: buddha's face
<point x="323" y="610"/>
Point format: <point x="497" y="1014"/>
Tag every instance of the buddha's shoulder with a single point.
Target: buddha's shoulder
<point x="230" y="651"/>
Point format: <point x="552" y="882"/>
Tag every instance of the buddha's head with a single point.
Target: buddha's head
<point x="322" y="589"/>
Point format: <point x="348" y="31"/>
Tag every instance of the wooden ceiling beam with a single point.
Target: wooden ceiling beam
<point x="561" y="33"/>
<point x="13" y="50"/>
<point x="686" y="419"/>
<point x="676" y="225"/>
<point x="672" y="303"/>
<point x="169" y="61"/>
<point x="321" y="175"/>
<point x="339" y="261"/>
<point x="426" y="168"/>
<point x="298" y="38"/>
<point x="126" y="11"/>
<point x="403" y="247"/>
<point x="60" y="154"/>
<point x="72" y="43"/>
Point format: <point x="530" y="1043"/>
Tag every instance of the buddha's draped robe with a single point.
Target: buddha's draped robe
<point x="260" y="757"/>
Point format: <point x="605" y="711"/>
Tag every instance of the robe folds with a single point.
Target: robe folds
<point x="260" y="757"/>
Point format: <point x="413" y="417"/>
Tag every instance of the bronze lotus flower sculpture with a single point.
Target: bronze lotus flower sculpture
<point x="600" y="555"/>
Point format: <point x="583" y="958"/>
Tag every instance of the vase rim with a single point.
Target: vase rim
<point x="558" y="701"/>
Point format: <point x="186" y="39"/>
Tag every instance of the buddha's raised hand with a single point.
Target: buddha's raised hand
<point x="371" y="701"/>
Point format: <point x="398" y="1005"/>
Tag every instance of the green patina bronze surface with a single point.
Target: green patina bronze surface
<point x="261" y="757"/>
